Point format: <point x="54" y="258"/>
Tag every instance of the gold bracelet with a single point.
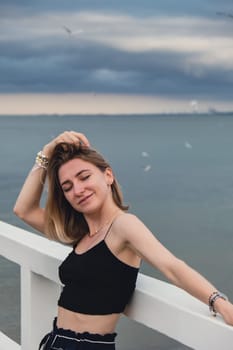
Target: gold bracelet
<point x="41" y="160"/>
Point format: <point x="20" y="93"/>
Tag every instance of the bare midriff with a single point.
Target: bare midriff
<point x="100" y="324"/>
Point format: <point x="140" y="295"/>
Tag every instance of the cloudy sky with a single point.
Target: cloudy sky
<point x="60" y="56"/>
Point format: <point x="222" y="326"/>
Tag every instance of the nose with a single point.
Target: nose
<point x="78" y="189"/>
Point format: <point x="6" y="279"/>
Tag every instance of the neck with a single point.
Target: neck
<point x="96" y="225"/>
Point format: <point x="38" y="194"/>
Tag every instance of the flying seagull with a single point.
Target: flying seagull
<point x="147" y="168"/>
<point x="71" y="32"/>
<point x="68" y="30"/>
<point x="145" y="154"/>
<point x="188" y="145"/>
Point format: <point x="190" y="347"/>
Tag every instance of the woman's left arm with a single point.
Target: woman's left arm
<point x="147" y="246"/>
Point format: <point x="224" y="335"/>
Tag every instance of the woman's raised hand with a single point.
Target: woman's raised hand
<point x="67" y="136"/>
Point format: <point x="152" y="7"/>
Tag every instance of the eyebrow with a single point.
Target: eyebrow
<point x="78" y="174"/>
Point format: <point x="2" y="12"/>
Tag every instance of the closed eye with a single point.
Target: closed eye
<point x="66" y="189"/>
<point x="85" y="177"/>
<point x="69" y="187"/>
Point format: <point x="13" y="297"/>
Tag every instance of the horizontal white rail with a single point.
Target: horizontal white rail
<point x="7" y="344"/>
<point x="156" y="304"/>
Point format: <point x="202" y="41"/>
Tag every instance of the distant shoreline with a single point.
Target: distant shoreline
<point x="175" y="114"/>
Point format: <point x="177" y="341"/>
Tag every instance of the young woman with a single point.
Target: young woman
<point x="85" y="208"/>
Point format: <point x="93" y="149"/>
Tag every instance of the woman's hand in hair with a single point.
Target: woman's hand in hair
<point x="67" y="136"/>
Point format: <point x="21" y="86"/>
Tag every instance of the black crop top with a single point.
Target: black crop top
<point x="96" y="282"/>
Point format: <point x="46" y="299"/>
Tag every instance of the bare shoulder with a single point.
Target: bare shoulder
<point x="135" y="235"/>
<point x="126" y="221"/>
<point x="129" y="226"/>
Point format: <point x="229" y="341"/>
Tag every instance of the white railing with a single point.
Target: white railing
<point x="156" y="304"/>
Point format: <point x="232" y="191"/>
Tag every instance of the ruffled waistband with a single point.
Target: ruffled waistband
<point x="95" y="337"/>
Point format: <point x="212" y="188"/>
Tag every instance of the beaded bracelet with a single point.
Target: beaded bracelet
<point x="41" y="160"/>
<point x="213" y="297"/>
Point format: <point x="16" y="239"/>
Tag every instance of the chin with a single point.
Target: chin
<point x="89" y="209"/>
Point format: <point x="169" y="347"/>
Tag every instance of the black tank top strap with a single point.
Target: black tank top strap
<point x="108" y="230"/>
<point x="110" y="226"/>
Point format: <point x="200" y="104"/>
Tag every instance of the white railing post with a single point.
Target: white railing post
<point x="38" y="307"/>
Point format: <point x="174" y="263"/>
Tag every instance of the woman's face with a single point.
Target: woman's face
<point x="84" y="185"/>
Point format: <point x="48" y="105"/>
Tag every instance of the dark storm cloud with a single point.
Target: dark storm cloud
<point x="44" y="70"/>
<point x="37" y="55"/>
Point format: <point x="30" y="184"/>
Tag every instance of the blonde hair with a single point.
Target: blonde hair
<point x="62" y="221"/>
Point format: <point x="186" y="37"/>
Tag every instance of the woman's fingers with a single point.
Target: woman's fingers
<point x="81" y="137"/>
<point x="72" y="137"/>
<point x="69" y="137"/>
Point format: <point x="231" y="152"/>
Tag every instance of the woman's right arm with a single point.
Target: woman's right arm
<point x="27" y="206"/>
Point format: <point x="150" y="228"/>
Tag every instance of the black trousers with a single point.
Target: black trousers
<point x="63" y="339"/>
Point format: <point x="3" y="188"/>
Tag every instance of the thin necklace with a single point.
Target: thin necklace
<point x="101" y="227"/>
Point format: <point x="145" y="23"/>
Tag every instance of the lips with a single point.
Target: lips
<point x="84" y="199"/>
